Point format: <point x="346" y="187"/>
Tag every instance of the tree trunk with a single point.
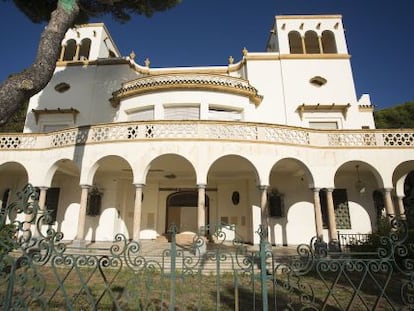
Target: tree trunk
<point x="19" y="87"/>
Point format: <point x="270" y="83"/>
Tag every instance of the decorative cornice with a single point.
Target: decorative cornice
<point x="333" y="16"/>
<point x="38" y="112"/>
<point x="186" y="81"/>
<point x="323" y="108"/>
<point x="315" y="56"/>
<point x="366" y="108"/>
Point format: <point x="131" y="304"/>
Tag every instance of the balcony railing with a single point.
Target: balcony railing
<point x="209" y="130"/>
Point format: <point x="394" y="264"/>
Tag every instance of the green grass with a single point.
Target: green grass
<point x="63" y="287"/>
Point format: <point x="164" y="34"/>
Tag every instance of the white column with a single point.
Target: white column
<point x="333" y="234"/>
<point x="264" y="207"/>
<point x="401" y="209"/>
<point x="389" y="207"/>
<point x="42" y="209"/>
<point x="201" y="208"/>
<point x="318" y="213"/>
<point x="137" y="212"/>
<point x="80" y="236"/>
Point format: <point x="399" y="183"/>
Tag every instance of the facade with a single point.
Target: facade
<point x="276" y="138"/>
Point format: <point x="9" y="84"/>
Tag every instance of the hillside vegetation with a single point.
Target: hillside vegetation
<point x="400" y="116"/>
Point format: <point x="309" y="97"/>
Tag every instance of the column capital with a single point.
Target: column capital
<point x="263" y="187"/>
<point x="85" y="186"/>
<point x="201" y="186"/>
<point x="388" y="189"/>
<point x="314" y="189"/>
<point x="139" y="185"/>
<point x="330" y="189"/>
<point x="42" y="187"/>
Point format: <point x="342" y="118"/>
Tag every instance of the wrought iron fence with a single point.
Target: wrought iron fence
<point x="347" y="240"/>
<point x="38" y="272"/>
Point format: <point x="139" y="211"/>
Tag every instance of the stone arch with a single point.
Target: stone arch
<point x="289" y="196"/>
<point x="403" y="179"/>
<point x="232" y="183"/>
<point x="65" y="166"/>
<point x="13" y="178"/>
<point x="399" y="176"/>
<point x="164" y="175"/>
<point x="113" y="163"/>
<point x="111" y="187"/>
<point x="356" y="183"/>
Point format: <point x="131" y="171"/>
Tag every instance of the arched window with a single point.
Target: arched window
<point x="295" y="42"/>
<point x="328" y="42"/>
<point x="85" y="49"/>
<point x="311" y="43"/>
<point x="70" y="50"/>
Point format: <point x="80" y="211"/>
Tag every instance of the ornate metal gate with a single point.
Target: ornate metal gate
<point x="39" y="272"/>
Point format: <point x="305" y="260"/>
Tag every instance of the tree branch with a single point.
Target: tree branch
<point x="19" y="87"/>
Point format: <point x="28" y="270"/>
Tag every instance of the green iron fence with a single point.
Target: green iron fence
<point x="39" y="272"/>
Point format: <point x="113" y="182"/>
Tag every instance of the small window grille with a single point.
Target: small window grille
<point x="94" y="202"/>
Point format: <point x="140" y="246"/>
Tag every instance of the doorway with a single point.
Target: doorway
<point x="182" y="211"/>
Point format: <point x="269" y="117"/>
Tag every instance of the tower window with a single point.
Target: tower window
<point x="295" y="42"/>
<point x="85" y="48"/>
<point x="328" y="42"/>
<point x="311" y="43"/>
<point x="70" y="50"/>
<point x="318" y="81"/>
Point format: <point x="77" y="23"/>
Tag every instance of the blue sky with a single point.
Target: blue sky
<point x="380" y="35"/>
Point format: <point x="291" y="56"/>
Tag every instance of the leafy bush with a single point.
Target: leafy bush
<point x="384" y="230"/>
<point x="7" y="239"/>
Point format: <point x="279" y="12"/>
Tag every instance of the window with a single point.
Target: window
<point x="275" y="204"/>
<point x="70" y="50"/>
<point x="312" y="43"/>
<point x="323" y="125"/>
<point x="85" y="48"/>
<point x="62" y="87"/>
<point x="295" y="42"/>
<point x="225" y="114"/>
<point x="94" y="202"/>
<point x="328" y="42"/>
<point x="181" y="113"/>
<point x="317" y="81"/>
<point x="142" y="115"/>
<point x="47" y="128"/>
<point x="340" y="201"/>
<point x="52" y="202"/>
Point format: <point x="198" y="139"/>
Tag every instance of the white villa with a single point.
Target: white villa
<point x="278" y="138"/>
